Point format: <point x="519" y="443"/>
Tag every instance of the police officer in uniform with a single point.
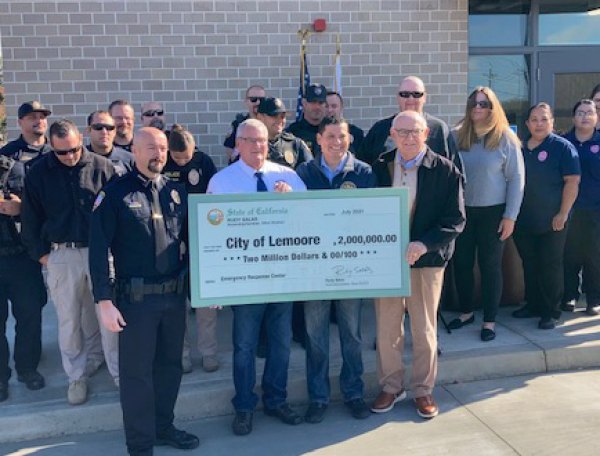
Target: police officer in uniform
<point x="284" y="148"/>
<point x="124" y="116"/>
<point x="314" y="109"/>
<point x="193" y="169"/>
<point x="21" y="279"/>
<point x="141" y="217"/>
<point x="101" y="129"/>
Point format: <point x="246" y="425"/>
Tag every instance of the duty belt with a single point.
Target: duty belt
<point x="67" y="245"/>
<point x="170" y="286"/>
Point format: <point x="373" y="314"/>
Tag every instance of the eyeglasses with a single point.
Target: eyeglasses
<point x="72" y="151"/>
<point x="255" y="99"/>
<point x="483" y="104"/>
<point x="403" y="133"/>
<point x="255" y="141"/>
<point x="153" y="112"/>
<point x="584" y="113"/>
<point x="100" y="127"/>
<point x="404" y="94"/>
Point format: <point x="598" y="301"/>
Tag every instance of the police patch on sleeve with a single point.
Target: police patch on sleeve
<point x="98" y="200"/>
<point x="175" y="197"/>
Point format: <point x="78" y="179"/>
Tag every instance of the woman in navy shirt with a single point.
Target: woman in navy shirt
<point x="583" y="236"/>
<point x="551" y="184"/>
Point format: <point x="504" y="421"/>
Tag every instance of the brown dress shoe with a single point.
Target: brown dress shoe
<point x="426" y="406"/>
<point x="385" y="402"/>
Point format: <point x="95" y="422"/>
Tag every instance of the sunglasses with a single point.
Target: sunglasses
<point x="72" y="151"/>
<point x="404" y="94"/>
<point x="484" y="104"/>
<point x="255" y="99"/>
<point x="153" y="112"/>
<point x="100" y="127"/>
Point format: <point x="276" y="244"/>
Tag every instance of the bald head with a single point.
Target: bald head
<point x="411" y="94"/>
<point x="150" y="151"/>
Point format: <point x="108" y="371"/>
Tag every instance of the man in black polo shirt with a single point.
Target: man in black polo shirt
<point x="57" y="202"/>
<point x="314" y="110"/>
<point x="21" y="280"/>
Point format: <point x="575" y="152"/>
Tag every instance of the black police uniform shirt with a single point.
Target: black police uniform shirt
<point x="230" y="139"/>
<point x="121" y="159"/>
<point x="288" y="150"/>
<point x="122" y="221"/>
<point x="24" y="156"/>
<point x="307" y="133"/>
<point x="354" y="174"/>
<point x="58" y="199"/>
<point x="545" y="168"/>
<point x="194" y="175"/>
<point x="378" y="140"/>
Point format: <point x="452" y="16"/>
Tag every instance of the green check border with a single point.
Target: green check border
<point x="400" y="194"/>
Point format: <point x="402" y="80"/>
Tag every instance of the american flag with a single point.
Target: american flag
<point x="304" y="83"/>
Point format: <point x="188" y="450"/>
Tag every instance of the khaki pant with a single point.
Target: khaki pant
<point x="206" y="321"/>
<point x="422" y="306"/>
<point x="80" y="338"/>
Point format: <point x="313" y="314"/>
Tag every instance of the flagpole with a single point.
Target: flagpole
<point x="303" y="34"/>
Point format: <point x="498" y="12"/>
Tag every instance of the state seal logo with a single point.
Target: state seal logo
<point x="542" y="156"/>
<point x="347" y="185"/>
<point x="215" y="217"/>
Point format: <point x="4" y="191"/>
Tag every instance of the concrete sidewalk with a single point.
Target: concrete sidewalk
<point x="520" y="348"/>
<point x="543" y="414"/>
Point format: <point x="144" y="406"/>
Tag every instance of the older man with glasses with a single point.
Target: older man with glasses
<point x="411" y="96"/>
<point x="57" y="202"/>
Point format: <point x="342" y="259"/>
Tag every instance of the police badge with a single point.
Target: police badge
<point x="194" y="177"/>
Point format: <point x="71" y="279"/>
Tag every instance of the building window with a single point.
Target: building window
<point x="493" y="23"/>
<point x="569" y="23"/>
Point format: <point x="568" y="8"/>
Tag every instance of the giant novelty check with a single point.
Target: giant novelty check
<point x="273" y="247"/>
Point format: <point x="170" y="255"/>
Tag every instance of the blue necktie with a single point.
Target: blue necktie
<point x="260" y="183"/>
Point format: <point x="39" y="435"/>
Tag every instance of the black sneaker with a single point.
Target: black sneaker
<point x="177" y="438"/>
<point x="242" y="423"/>
<point x="33" y="380"/>
<point x="315" y="412"/>
<point x="547" y="323"/>
<point x="358" y="409"/>
<point x="285" y="414"/>
<point x="526" y="312"/>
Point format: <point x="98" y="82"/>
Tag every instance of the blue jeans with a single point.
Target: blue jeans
<point x="246" y="327"/>
<point x="316" y="314"/>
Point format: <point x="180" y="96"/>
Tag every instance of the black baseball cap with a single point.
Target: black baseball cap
<point x="316" y="92"/>
<point x="271" y="106"/>
<point x="32" y="106"/>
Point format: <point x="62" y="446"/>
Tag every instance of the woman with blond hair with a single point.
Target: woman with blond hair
<point x="494" y="180"/>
